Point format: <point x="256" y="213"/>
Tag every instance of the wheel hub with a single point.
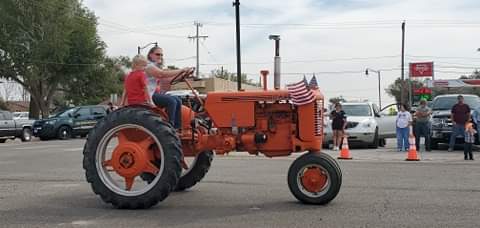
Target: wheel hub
<point x="126" y="160"/>
<point x="314" y="179"/>
<point x="129" y="159"/>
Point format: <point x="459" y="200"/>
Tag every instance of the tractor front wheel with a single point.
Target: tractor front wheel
<point x="195" y="171"/>
<point x="314" y="178"/>
<point x="123" y="146"/>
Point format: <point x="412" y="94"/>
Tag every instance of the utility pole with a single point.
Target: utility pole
<point x="236" y="4"/>
<point x="402" y="93"/>
<point x="197" y="38"/>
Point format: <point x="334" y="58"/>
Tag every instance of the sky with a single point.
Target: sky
<point x="335" y="39"/>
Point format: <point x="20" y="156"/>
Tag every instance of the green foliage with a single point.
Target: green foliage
<point x="224" y="74"/>
<point x="394" y="89"/>
<point x="52" y="45"/>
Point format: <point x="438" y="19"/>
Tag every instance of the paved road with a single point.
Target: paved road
<point x="42" y="185"/>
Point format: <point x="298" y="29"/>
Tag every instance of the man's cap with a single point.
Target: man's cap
<point x="459" y="96"/>
<point x="423" y="100"/>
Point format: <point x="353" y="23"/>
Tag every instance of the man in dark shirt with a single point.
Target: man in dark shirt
<point x="460" y="115"/>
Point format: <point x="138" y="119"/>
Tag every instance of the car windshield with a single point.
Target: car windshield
<point x="446" y="103"/>
<point x="66" y="112"/>
<point x="357" y="110"/>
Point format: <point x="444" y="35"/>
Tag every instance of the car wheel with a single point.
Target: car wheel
<point x="3" y="140"/>
<point x="64" y="132"/>
<point x="376" y="141"/>
<point x="26" y="135"/>
<point x="382" y="142"/>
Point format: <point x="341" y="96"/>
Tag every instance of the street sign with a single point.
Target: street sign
<point x="424" y="69"/>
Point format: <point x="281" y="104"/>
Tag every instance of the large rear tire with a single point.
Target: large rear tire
<point x="315" y="178"/>
<point x="133" y="128"/>
<point x="196" y="171"/>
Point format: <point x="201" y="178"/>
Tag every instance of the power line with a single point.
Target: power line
<point x="312" y="60"/>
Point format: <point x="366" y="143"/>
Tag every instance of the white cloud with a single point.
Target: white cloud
<point x="430" y="31"/>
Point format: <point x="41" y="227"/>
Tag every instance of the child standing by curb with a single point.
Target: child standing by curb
<point x="469" y="140"/>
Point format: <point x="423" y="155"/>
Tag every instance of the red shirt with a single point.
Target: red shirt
<point x="135" y="85"/>
<point x="460" y="113"/>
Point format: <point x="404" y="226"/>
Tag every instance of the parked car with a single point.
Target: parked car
<point x="77" y="121"/>
<point x="20" y="116"/>
<point x="441" y="122"/>
<point x="11" y="129"/>
<point x="365" y="125"/>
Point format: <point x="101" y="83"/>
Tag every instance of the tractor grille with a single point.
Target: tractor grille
<point x="318" y="108"/>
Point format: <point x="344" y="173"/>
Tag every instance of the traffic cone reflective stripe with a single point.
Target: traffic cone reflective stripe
<point x="345" y="152"/>
<point x="412" y="152"/>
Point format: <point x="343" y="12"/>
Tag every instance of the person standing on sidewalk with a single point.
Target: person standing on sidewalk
<point x="404" y="121"/>
<point x="422" y="125"/>
<point x="469" y="140"/>
<point x="339" y="122"/>
<point x="460" y="114"/>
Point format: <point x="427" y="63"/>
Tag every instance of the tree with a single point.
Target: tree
<point x="338" y="99"/>
<point x="394" y="89"/>
<point x="224" y="74"/>
<point x="3" y="104"/>
<point x="52" y="45"/>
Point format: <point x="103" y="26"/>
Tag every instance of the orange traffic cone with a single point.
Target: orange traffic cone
<point x="345" y="152"/>
<point x="412" y="152"/>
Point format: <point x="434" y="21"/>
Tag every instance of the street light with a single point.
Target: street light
<point x="141" y="48"/>
<point x="379" y="93"/>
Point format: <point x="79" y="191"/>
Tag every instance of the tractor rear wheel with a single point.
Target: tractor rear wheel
<point x="195" y="171"/>
<point x="315" y="178"/>
<point x="126" y="144"/>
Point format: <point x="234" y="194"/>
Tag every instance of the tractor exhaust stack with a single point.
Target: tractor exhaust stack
<point x="276" y="67"/>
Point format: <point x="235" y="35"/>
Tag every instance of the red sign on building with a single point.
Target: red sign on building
<point x="424" y="69"/>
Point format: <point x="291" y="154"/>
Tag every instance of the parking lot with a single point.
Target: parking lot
<point x="42" y="184"/>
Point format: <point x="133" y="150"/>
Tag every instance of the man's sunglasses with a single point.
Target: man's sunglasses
<point x="158" y="54"/>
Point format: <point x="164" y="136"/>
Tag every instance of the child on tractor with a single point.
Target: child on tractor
<point x="135" y="86"/>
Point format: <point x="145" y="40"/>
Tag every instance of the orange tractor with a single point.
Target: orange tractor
<point x="133" y="158"/>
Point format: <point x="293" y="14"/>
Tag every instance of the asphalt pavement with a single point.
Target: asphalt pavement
<point x="42" y="184"/>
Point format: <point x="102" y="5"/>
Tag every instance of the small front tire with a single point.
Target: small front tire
<point x="314" y="178"/>
<point x="197" y="171"/>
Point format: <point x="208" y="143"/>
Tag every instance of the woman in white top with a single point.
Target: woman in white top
<point x="404" y="120"/>
<point x="158" y="83"/>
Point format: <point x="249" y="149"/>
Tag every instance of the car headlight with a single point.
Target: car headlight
<point x="368" y="123"/>
<point x="51" y="122"/>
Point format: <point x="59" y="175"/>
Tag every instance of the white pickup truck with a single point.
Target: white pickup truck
<point x="366" y="124"/>
<point x="11" y="129"/>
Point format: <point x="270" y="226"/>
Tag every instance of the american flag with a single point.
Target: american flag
<point x="300" y="93"/>
<point x="313" y="83"/>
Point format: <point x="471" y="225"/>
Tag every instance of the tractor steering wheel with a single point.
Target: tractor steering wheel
<point x="181" y="77"/>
